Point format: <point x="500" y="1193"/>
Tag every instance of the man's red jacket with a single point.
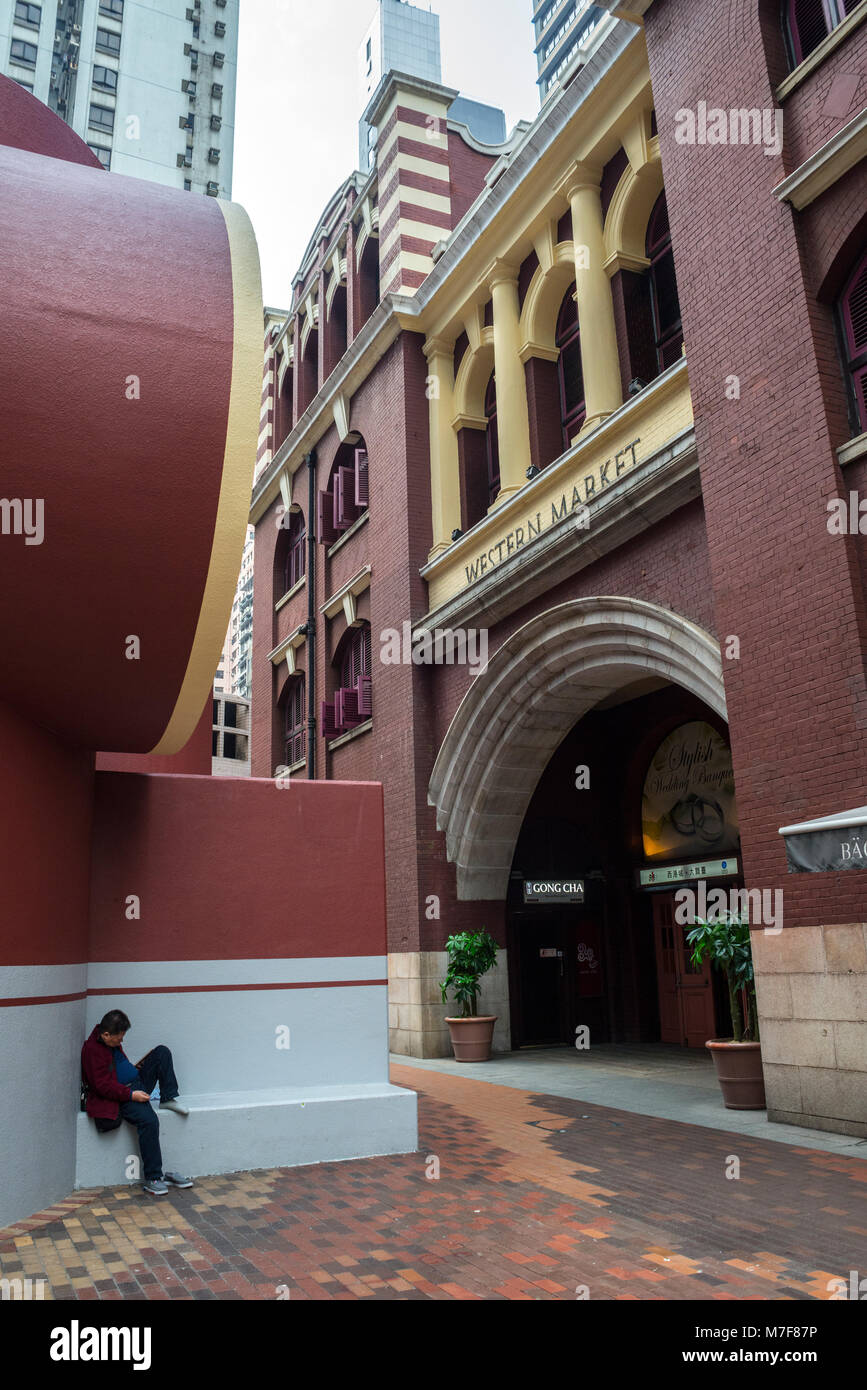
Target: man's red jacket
<point x="104" y="1091"/>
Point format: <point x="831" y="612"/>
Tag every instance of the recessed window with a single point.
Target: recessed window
<point x="294" y="721"/>
<point x="347" y="496"/>
<point x="102" y="117"/>
<point x="216" y="89"/>
<point x="31" y="15"/>
<point x="492" y="440"/>
<point x="216" y="122"/>
<point x="213" y="156"/>
<point x="219" y="59"/>
<point x="112" y="9"/>
<point x="290" y="556"/>
<point x="188" y="185"/>
<point x="853" y="313"/>
<point x="569" y="369"/>
<point x="220" y="29"/>
<point x="808" y="22"/>
<point x="105" y="79"/>
<point x="107" y="42"/>
<point x="665" y="303"/>
<point x="23" y="53"/>
<point x="212" y="189"/>
<point x="103" y="154"/>
<point x="352" y="703"/>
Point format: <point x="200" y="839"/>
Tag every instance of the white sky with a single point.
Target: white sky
<point x="296" y="133"/>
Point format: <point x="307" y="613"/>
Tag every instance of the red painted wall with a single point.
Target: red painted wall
<point x="131" y="280"/>
<point x="236" y="869"/>
<point x="45" y="816"/>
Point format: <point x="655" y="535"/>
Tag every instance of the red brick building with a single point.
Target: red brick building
<point x="585" y="400"/>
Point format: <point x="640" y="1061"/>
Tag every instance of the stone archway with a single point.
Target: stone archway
<point x="542" y="680"/>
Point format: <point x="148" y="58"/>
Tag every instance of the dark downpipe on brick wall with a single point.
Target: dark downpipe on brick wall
<point x="310" y="460"/>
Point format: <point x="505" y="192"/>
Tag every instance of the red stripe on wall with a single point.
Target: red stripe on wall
<point x="41" y="999"/>
<point x="422" y="149"/>
<point x="410" y="178"/>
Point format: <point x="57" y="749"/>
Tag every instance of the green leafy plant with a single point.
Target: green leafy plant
<point x="725" y="941"/>
<point x="471" y="955"/>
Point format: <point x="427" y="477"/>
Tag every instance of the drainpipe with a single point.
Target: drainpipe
<point x="310" y="460"/>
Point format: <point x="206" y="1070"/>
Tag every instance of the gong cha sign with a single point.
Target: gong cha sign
<point x="688" y="805"/>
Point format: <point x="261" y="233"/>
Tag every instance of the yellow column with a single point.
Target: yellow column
<point x="513" y="417"/>
<point x="444" y="474"/>
<point x="603" y="393"/>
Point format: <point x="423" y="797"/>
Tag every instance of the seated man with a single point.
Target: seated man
<point x="116" y="1087"/>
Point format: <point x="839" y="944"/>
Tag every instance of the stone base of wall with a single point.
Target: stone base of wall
<point x="416" y="1013"/>
<point x="811" y="985"/>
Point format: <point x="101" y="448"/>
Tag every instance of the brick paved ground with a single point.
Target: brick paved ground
<point x="536" y="1196"/>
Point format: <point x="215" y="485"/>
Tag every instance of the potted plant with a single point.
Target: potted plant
<point x="471" y="955"/>
<point x="725" y="941"/>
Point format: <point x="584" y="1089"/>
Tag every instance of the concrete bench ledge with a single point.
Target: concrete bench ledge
<point x="229" y="1131"/>
<point x="275" y="1095"/>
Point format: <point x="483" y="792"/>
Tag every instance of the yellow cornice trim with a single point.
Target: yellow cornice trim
<point x="230" y="525"/>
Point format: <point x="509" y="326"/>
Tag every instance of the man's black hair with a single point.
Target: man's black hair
<point x="115" y="1021"/>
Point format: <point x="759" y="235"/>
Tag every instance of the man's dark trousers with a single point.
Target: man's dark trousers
<point x="155" y="1067"/>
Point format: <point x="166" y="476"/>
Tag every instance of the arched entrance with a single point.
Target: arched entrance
<point x="542" y="779"/>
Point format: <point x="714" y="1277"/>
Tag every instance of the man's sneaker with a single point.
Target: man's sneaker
<point x="156" y="1187"/>
<point x="178" y="1180"/>
<point x="175" y="1105"/>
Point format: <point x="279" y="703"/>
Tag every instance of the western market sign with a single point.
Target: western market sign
<point x="828" y="844"/>
<point x="572" y="502"/>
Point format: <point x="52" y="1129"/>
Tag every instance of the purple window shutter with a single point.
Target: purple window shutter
<point x="326" y="720"/>
<point x="855" y="311"/>
<point x="350" y="708"/>
<point x="365" y="702"/>
<point x="325" y="531"/>
<point x="345" y="491"/>
<point x="362" y="494"/>
<point x="854" y="307"/>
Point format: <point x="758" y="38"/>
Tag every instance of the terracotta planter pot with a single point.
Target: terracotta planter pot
<point x="739" y="1072"/>
<point x="471" y="1037"/>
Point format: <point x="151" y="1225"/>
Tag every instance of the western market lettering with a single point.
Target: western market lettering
<point x="593" y="484"/>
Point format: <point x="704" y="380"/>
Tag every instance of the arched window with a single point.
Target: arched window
<point x="347" y="496"/>
<point x="355" y="657"/>
<point x="808" y="22"/>
<point x="290" y="553"/>
<point x="492" y="440"/>
<point x="296" y="552"/>
<point x="572" y="410"/>
<point x="667" y="328"/>
<point x="352" y="703"/>
<point x="294" y="717"/>
<point x="853" y="316"/>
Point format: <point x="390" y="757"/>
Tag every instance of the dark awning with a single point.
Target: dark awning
<point x="827" y="844"/>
